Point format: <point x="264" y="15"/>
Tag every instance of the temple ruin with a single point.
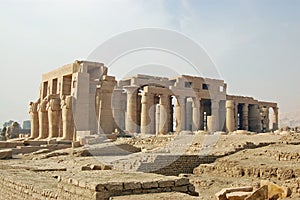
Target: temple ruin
<point x="81" y="99"/>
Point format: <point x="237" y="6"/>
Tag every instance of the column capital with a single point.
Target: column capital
<point x="131" y="88"/>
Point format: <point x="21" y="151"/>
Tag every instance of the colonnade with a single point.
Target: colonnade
<point x="250" y="117"/>
<point x="52" y="117"/>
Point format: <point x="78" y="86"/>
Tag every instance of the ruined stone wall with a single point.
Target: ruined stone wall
<point x="173" y="165"/>
<point x="18" y="184"/>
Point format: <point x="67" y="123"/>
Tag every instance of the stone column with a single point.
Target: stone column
<point x="230" y="121"/>
<point x="275" y="119"/>
<point x="196" y="114"/>
<point x="181" y="104"/>
<point x="53" y="108"/>
<point x="164" y="105"/>
<point x="67" y="118"/>
<point x="131" y="114"/>
<point x="201" y="116"/>
<point x="236" y="115"/>
<point x="117" y="108"/>
<point x="245" y="117"/>
<point x="34" y="119"/>
<point x="188" y="115"/>
<point x="146" y="121"/>
<point x="213" y="120"/>
<point x="106" y="120"/>
<point x="157" y="118"/>
<point x="43" y="119"/>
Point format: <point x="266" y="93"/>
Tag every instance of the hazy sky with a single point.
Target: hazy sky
<point x="254" y="43"/>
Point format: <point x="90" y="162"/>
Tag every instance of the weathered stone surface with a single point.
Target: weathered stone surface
<point x="6" y="154"/>
<point x="237" y="195"/>
<point x="275" y="191"/>
<point x="260" y="194"/>
<point x="132" y="185"/>
<point x="147" y="185"/>
<point x="222" y="195"/>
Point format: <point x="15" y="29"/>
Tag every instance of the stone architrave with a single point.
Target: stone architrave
<point x="43" y="119"/>
<point x="230" y="121"/>
<point x="53" y="108"/>
<point x="34" y="119"/>
<point x="67" y="118"/>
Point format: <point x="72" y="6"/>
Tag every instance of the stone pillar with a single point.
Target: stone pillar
<point x="230" y="121"/>
<point x="131" y="114"/>
<point x="181" y="104"/>
<point x="213" y="120"/>
<point x="196" y="114"/>
<point x="53" y="108"/>
<point x="106" y="120"/>
<point x="34" y="119"/>
<point x="164" y="120"/>
<point x="43" y="119"/>
<point x="275" y="119"/>
<point x="157" y="118"/>
<point x="245" y="117"/>
<point x="201" y="116"/>
<point x="236" y="115"/>
<point x="117" y="108"/>
<point x="67" y="118"/>
<point x="147" y="118"/>
<point x="188" y="115"/>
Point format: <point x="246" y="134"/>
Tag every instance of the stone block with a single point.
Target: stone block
<point x="147" y="185"/>
<point x="237" y="195"/>
<point x="260" y="194"/>
<point x="6" y="154"/>
<point x="114" y="186"/>
<point x="166" y="183"/>
<point x="132" y="185"/>
<point x="182" y="181"/>
<point x="275" y="190"/>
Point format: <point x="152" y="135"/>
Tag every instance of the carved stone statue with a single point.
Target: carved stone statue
<point x="34" y="119"/>
<point x="53" y="108"/>
<point x="13" y="131"/>
<point x="43" y="119"/>
<point x="67" y="118"/>
<point x="2" y="136"/>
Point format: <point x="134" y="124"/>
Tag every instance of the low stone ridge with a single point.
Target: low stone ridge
<point x="22" y="184"/>
<point x="6" y="154"/>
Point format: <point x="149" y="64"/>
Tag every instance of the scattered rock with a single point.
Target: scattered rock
<point x="275" y="191"/>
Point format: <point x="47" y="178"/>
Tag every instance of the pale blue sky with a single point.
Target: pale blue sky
<point x="255" y="43"/>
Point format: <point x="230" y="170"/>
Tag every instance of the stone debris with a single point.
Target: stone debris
<point x="275" y="191"/>
<point x="267" y="191"/>
<point x="260" y="194"/>
<point x="222" y="195"/>
<point x="96" y="167"/>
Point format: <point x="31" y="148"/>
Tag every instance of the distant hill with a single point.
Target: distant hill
<point x="290" y="119"/>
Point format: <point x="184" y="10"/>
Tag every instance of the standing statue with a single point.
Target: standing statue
<point x="2" y="136"/>
<point x="53" y="108"/>
<point x="34" y="119"/>
<point x="67" y="118"/>
<point x="13" y="131"/>
<point x="43" y="119"/>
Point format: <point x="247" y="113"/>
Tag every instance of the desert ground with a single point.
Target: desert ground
<point x="242" y="159"/>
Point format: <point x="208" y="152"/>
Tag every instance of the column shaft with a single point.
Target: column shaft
<point x="245" y="117"/>
<point x="230" y="121"/>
